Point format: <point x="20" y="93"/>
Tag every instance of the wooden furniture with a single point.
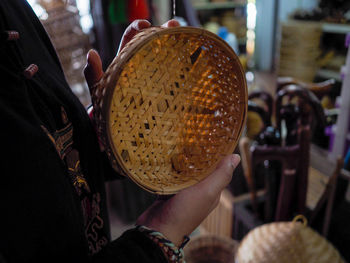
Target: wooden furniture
<point x="246" y="159"/>
<point x="260" y="108"/>
<point x="310" y="113"/>
<point x="320" y="89"/>
<point x="267" y="101"/>
<point x="280" y="193"/>
<point x="285" y="192"/>
<point x="257" y="119"/>
<point x="282" y="208"/>
<point x="324" y="207"/>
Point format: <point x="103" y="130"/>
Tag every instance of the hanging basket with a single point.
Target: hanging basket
<point x="170" y="106"/>
<point x="287" y="242"/>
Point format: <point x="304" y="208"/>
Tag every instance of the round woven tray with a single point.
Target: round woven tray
<point x="211" y="249"/>
<point x="170" y="106"/>
<point x="287" y="242"/>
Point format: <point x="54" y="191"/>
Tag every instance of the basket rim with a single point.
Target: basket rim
<point x="226" y="243"/>
<point x="117" y="65"/>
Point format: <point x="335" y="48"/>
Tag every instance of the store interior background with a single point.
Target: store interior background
<point x="301" y="39"/>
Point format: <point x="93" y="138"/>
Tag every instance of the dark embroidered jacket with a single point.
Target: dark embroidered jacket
<point x="52" y="196"/>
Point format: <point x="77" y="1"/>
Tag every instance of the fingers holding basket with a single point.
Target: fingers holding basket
<point x="181" y="214"/>
<point x="134" y="28"/>
<point x="171" y="23"/>
<point x="93" y="70"/>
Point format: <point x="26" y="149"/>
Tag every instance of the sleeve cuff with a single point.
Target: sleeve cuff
<point x="132" y="246"/>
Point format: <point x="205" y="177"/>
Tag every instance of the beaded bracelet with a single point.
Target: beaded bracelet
<point x="173" y="253"/>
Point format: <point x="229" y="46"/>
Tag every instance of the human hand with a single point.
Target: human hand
<point x="182" y="213"/>
<point x="93" y="70"/>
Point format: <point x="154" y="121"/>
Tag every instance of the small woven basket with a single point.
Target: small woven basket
<point x="211" y="249"/>
<point x="287" y="242"/>
<point x="170" y="106"/>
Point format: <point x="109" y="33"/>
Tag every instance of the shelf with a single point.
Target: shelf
<point x="217" y="5"/>
<point x="329" y="74"/>
<point x="336" y="28"/>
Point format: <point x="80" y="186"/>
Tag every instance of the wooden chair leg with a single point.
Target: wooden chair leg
<point x="332" y="190"/>
<point x="327" y="199"/>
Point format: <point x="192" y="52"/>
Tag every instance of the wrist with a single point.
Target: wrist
<point x="176" y="237"/>
<point x="173" y="253"/>
<point x="162" y="217"/>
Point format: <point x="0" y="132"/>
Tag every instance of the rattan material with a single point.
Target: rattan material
<point x="299" y="49"/>
<point x="211" y="249"/>
<point x="170" y="106"/>
<point x="287" y="242"/>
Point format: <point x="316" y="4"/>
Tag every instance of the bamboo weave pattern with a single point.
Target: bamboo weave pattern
<point x="287" y="242"/>
<point x="171" y="105"/>
<point x="211" y="248"/>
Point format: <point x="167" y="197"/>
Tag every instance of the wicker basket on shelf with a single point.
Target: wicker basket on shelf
<point x="170" y="106"/>
<point x="300" y="49"/>
<point x="287" y="242"/>
<point x="211" y="249"/>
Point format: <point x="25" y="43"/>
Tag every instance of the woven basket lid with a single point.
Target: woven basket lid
<point x="211" y="248"/>
<point x="170" y="106"/>
<point x="286" y="242"/>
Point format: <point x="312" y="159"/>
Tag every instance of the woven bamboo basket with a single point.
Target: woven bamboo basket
<point x="211" y="249"/>
<point x="299" y="49"/>
<point x="170" y="106"/>
<point x="286" y="242"/>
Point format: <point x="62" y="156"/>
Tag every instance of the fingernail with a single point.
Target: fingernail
<point x="173" y="22"/>
<point x="88" y="57"/>
<point x="89" y="54"/>
<point x="141" y="24"/>
<point x="235" y="160"/>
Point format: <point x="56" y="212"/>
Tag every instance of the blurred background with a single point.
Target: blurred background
<point x="295" y="56"/>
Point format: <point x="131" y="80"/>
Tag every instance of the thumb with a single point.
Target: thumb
<point x="221" y="177"/>
<point x="93" y="70"/>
